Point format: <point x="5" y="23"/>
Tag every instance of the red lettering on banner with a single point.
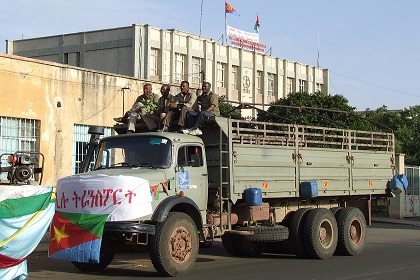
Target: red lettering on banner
<point x="95" y="198"/>
<point x="85" y="202"/>
<point x="76" y="199"/>
<point x="130" y="194"/>
<point x="62" y="202"/>
<point x="107" y="192"/>
<point x="115" y="197"/>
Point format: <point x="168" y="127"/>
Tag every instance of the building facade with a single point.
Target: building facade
<point x="170" y="56"/>
<point x="48" y="107"/>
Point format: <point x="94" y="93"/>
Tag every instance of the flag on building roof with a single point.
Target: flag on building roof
<point x="231" y="10"/>
<point x="257" y="24"/>
<point x="76" y="237"/>
<point x="25" y="216"/>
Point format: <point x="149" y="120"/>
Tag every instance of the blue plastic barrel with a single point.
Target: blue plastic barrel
<point x="253" y="197"/>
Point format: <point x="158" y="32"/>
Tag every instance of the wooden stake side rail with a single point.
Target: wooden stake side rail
<point x="262" y="133"/>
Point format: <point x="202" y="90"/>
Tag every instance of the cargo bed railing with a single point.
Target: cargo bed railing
<point x="263" y="133"/>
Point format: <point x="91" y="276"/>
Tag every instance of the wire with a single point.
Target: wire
<point x="375" y="85"/>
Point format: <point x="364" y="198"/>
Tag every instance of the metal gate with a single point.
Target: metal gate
<point x="412" y="195"/>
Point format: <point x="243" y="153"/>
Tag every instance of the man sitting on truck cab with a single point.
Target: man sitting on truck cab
<point x="209" y="102"/>
<point x="146" y="103"/>
<point x="154" y="121"/>
<point x="184" y="102"/>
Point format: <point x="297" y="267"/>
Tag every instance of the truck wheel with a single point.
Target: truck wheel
<point x="320" y="233"/>
<point x="105" y="259"/>
<point x="229" y="244"/>
<point x="174" y="247"/>
<point x="351" y="232"/>
<point x="296" y="232"/>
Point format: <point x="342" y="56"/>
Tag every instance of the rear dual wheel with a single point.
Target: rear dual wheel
<point x="351" y="231"/>
<point x="320" y="233"/>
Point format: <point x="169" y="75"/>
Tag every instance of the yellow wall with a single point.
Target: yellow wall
<point x="33" y="89"/>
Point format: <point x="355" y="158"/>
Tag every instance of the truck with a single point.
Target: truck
<point x="257" y="186"/>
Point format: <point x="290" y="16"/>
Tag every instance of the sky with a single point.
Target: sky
<point x="371" y="47"/>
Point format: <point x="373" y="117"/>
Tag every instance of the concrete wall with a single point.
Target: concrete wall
<point x="60" y="96"/>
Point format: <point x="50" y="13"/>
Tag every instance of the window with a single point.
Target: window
<point x="259" y="81"/>
<point x="235" y="77"/>
<point x="221" y="75"/>
<point x="66" y="58"/>
<point x="270" y="84"/>
<point x="289" y="85"/>
<point x="187" y="155"/>
<point x="147" y="151"/>
<point x="80" y="138"/>
<point x="154" y="62"/>
<point x="18" y="135"/>
<point x="301" y="85"/>
<point x="78" y="59"/>
<point x="318" y="87"/>
<point x="196" y="70"/>
<point x="179" y="67"/>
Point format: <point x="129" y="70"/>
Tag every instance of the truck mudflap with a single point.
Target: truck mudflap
<point x="130" y="227"/>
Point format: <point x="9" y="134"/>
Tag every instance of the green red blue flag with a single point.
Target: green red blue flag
<point x="76" y="237"/>
<point x="230" y="10"/>
<point x="257" y="24"/>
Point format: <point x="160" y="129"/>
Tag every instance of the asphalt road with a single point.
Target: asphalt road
<point x="392" y="252"/>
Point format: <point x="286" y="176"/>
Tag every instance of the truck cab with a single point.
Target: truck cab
<point x="171" y="162"/>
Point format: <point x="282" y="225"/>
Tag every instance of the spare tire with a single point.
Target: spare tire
<point x="263" y="233"/>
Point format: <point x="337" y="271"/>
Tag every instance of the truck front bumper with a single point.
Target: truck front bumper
<point x="130" y="227"/>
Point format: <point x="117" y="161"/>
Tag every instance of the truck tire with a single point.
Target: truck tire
<point x="229" y="244"/>
<point x="174" y="247"/>
<point x="320" y="233"/>
<point x="105" y="258"/>
<point x="296" y="232"/>
<point x="336" y="210"/>
<point x="351" y="232"/>
<point x="265" y="233"/>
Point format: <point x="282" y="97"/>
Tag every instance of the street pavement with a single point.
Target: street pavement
<point x="411" y="221"/>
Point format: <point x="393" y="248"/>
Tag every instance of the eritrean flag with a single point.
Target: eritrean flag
<point x="25" y="216"/>
<point x="76" y="237"/>
<point x="230" y="10"/>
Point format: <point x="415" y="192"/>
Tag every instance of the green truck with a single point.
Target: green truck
<point x="258" y="186"/>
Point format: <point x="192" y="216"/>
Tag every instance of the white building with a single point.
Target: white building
<point x="170" y="56"/>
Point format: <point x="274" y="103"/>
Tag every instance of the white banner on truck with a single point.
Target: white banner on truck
<point x="122" y="197"/>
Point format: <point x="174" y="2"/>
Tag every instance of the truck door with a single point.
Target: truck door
<point x="191" y="175"/>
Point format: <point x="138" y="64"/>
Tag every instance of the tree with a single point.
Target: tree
<point x="316" y="109"/>
<point x="406" y="126"/>
<point x="228" y="110"/>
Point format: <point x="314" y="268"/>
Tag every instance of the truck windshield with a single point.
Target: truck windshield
<point x="142" y="151"/>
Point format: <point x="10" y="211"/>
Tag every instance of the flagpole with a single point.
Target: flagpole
<point x="202" y="72"/>
<point x="223" y="41"/>
<point x="317" y="60"/>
